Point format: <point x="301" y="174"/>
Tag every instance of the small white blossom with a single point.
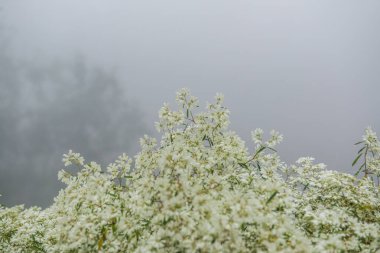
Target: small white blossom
<point x="257" y="136"/>
<point x="72" y="158"/>
<point x="200" y="190"/>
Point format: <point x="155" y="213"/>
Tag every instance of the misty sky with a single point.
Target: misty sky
<point x="309" y="69"/>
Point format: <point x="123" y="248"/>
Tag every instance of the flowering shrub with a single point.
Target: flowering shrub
<point x="200" y="190"/>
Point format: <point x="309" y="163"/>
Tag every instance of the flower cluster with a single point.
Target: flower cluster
<point x="370" y="154"/>
<point x="199" y="189"/>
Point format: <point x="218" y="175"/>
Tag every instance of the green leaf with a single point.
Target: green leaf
<point x="244" y="165"/>
<point x="100" y="243"/>
<point x="258" y="166"/>
<point x="261" y="149"/>
<point x="187" y="113"/>
<point x="358" y="142"/>
<point x="356" y="159"/>
<point x="272" y="196"/>
<point x="361" y="149"/>
<point x="361" y="167"/>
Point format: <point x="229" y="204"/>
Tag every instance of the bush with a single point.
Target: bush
<point x="201" y="190"/>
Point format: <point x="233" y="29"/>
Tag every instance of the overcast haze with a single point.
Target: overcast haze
<point x="309" y="69"/>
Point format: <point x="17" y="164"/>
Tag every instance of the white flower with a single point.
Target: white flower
<point x="199" y="189"/>
<point x="257" y="135"/>
<point x="370" y="137"/>
<point x="275" y="139"/>
<point x="72" y="158"/>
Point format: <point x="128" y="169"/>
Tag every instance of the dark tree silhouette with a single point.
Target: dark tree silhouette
<point x="47" y="110"/>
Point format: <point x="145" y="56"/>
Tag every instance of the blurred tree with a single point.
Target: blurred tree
<point x="47" y="110"/>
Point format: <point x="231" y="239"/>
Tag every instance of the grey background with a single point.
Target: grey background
<point x="90" y="75"/>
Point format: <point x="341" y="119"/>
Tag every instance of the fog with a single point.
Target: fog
<point x="90" y="76"/>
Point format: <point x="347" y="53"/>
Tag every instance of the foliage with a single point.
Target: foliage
<point x="200" y="190"/>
